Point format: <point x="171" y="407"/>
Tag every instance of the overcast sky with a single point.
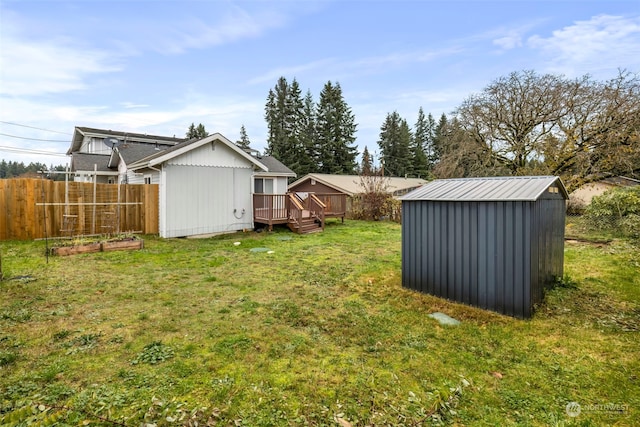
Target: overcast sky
<point x="157" y="66"/>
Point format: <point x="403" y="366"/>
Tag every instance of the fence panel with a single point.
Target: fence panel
<point x="37" y="208"/>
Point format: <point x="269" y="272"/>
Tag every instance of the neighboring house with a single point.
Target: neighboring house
<point x="206" y="185"/>
<point x="337" y="191"/>
<point x="351" y="185"/>
<point x="91" y="156"/>
<point x="581" y="197"/>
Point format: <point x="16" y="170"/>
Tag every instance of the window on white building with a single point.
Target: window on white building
<point x="263" y="186"/>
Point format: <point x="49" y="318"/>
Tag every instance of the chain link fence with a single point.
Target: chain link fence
<point x="602" y="227"/>
<point x="612" y="215"/>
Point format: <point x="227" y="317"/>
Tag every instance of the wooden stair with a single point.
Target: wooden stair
<point x="306" y="226"/>
<point x="305" y="216"/>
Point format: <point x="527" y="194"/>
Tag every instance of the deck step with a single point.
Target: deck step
<point x="306" y="226"/>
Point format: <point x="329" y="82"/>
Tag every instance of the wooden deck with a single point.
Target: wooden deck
<point x="302" y="212"/>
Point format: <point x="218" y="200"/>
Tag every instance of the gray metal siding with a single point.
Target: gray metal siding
<point x="477" y="253"/>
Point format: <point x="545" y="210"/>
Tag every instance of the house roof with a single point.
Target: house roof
<point x="80" y="132"/>
<point x="192" y="144"/>
<point x="275" y="166"/>
<point x="131" y="153"/>
<point x="513" y="188"/>
<point x="351" y="184"/>
<point x="622" y="181"/>
<point x="86" y="162"/>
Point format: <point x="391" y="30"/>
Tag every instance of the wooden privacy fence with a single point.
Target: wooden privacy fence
<point x="32" y="208"/>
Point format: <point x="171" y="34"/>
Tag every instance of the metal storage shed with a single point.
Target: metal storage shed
<point x="493" y="243"/>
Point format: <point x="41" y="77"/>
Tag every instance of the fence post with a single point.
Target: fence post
<point x="93" y="214"/>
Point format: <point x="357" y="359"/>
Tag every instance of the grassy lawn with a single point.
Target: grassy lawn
<point x="319" y="332"/>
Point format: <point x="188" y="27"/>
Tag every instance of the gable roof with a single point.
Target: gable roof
<point x="511" y="188"/>
<point x="131" y="153"/>
<point x="80" y="132"/>
<point x="351" y="184"/>
<point x="275" y="166"/>
<point x="192" y="144"/>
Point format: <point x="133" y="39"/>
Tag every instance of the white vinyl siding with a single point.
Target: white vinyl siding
<point x="139" y="177"/>
<point x="203" y="200"/>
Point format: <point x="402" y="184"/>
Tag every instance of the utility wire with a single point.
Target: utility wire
<point x="28" y="151"/>
<point x="33" y="127"/>
<point x="34" y="139"/>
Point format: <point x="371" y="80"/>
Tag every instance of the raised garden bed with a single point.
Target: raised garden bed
<point x="122" y="245"/>
<point x="126" y="244"/>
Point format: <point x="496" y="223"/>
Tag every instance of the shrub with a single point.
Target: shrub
<point x="617" y="210"/>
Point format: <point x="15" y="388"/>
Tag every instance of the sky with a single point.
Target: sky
<point x="155" y="67"/>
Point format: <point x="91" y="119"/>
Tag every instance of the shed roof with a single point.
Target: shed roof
<point x="511" y="188"/>
<point x="352" y="184"/>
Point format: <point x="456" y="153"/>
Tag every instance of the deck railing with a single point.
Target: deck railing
<point x="316" y="208"/>
<point x="273" y="209"/>
<point x="270" y="208"/>
<point x="296" y="209"/>
<point x="336" y="203"/>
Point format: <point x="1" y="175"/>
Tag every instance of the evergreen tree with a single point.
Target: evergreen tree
<point x="286" y="121"/>
<point x="335" y="132"/>
<point x="243" y="142"/>
<point x="276" y="117"/>
<point x="439" y="143"/>
<point x="421" y="140"/>
<point x="366" y="167"/>
<point x="309" y="155"/>
<point x="198" y="132"/>
<point x="394" y="142"/>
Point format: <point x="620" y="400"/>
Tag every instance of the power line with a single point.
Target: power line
<point x="29" y="151"/>
<point x="33" y="127"/>
<point x="34" y="139"/>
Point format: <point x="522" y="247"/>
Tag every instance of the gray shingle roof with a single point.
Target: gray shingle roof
<point x="86" y="162"/>
<point x="522" y="188"/>
<point x="275" y="166"/>
<point x="133" y="152"/>
<point x="80" y="132"/>
<point x="168" y="139"/>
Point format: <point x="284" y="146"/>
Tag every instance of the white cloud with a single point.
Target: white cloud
<point x="127" y="104"/>
<point x="276" y="73"/>
<point x="236" y="24"/>
<point x="44" y="66"/>
<point x="604" y="42"/>
<point x="358" y="66"/>
<point x="509" y="41"/>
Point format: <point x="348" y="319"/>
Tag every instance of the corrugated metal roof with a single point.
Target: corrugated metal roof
<point x="523" y="188"/>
